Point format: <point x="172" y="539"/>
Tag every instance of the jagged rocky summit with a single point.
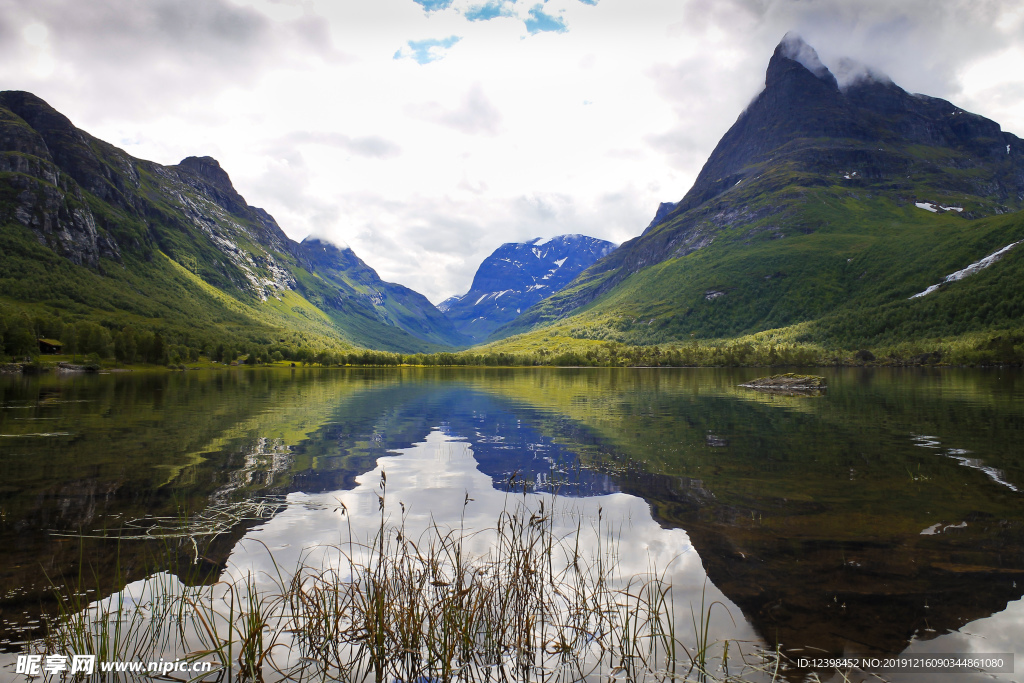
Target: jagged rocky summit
<point x="518" y="275"/>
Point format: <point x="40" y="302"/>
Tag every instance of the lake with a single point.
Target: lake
<point x="885" y="516"/>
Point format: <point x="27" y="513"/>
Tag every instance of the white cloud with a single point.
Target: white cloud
<point x="474" y="115"/>
<point x="371" y="146"/>
<point x="424" y="168"/>
<point x="427" y="50"/>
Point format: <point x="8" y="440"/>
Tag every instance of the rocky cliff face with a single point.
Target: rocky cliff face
<point x="97" y="206"/>
<point x="37" y="193"/>
<point x="518" y="275"/>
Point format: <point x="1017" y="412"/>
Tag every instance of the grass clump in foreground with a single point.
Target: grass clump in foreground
<point x="535" y="607"/>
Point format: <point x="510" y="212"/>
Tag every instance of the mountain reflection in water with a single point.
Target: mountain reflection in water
<point x="882" y="516"/>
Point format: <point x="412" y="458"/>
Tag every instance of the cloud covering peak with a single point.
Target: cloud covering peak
<point x="794" y="47"/>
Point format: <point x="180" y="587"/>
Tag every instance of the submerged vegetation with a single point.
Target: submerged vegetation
<point x="402" y="606"/>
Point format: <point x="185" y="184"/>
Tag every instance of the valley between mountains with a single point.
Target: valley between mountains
<point x="851" y="222"/>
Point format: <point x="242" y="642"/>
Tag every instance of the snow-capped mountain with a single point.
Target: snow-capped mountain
<point x="518" y="275"/>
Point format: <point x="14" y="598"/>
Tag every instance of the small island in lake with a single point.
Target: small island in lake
<point x="789" y="383"/>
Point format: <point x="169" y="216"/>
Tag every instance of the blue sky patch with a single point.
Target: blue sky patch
<point x="433" y="5"/>
<point x="427" y="51"/>
<point x="589" y="2"/>
<point x="489" y="10"/>
<point x="539" y="21"/>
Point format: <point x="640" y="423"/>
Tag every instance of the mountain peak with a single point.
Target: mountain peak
<point x="792" y="49"/>
<point x="325" y="243"/>
<point x="209" y="170"/>
<point x="516" y="276"/>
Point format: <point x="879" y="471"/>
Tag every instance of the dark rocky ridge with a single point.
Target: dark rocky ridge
<point x="40" y="193"/>
<point x="797" y="109"/>
<point x="112" y="178"/>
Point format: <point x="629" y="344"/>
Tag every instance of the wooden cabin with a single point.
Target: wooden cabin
<point x="50" y="346"/>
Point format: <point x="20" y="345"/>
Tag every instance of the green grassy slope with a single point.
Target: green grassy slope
<point x="88" y="233"/>
<point x="846" y="285"/>
<point x="852" y="278"/>
<point x="157" y="295"/>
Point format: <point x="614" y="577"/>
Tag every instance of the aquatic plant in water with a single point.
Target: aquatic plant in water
<point x="397" y="607"/>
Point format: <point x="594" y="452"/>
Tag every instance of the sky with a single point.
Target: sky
<point x="426" y="133"/>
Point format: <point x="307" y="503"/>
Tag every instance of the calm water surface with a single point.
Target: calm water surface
<point x="886" y="516"/>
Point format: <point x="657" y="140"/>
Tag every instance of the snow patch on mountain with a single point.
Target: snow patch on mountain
<point x="935" y="208"/>
<point x="969" y="270"/>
